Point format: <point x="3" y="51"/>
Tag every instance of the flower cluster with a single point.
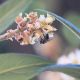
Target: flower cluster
<point x="72" y="58"/>
<point x="32" y="28"/>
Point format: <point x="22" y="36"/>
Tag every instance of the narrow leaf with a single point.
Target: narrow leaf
<point x="70" y="69"/>
<point x="69" y="36"/>
<point x="10" y="10"/>
<point x="20" y="66"/>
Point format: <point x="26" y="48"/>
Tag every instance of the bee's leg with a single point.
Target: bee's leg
<point x="42" y="40"/>
<point x="46" y="37"/>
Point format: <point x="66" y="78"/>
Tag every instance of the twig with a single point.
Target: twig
<point x="8" y="35"/>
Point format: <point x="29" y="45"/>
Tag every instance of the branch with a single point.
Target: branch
<point x="10" y="34"/>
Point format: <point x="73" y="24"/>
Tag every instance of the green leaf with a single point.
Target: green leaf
<point x="25" y="67"/>
<point x="70" y="37"/>
<point x="70" y="69"/>
<point x="20" y="66"/>
<point x="10" y="9"/>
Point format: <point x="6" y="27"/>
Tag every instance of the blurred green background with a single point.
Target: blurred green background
<point x="64" y="40"/>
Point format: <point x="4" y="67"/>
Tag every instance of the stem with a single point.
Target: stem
<point x="7" y="35"/>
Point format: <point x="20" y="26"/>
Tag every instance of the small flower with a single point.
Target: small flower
<point x="37" y="24"/>
<point x="49" y="28"/>
<point x="32" y="16"/>
<point x="42" y="18"/>
<point x="18" y="37"/>
<point x="19" y="18"/>
<point x="49" y="19"/>
<point x="26" y="40"/>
